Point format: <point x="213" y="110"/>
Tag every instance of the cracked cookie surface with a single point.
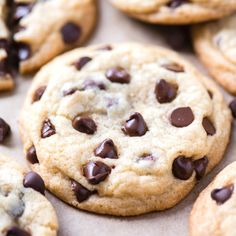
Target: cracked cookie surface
<point x="123" y="129"/>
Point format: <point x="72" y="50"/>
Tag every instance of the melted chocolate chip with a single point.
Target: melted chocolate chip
<point x="182" y="117"/>
<point x="96" y="172"/>
<point x="118" y="75"/>
<point x="182" y="168"/>
<point x="89" y="84"/>
<point x="84" y="125"/>
<point x="221" y="195"/>
<point x="69" y="91"/>
<point x="31" y="155"/>
<point x="23" y="51"/>
<point x="165" y="92"/>
<point x="200" y="166"/>
<point x="232" y="107"/>
<point x="4" y="130"/>
<point x="16" y="231"/>
<point x="176" y="3"/>
<point x="70" y="33"/>
<point x="106" y="149"/>
<point x="82" y="62"/>
<point x="39" y="93"/>
<point x="174" y="67"/>
<point x="80" y="191"/>
<point x="34" y="181"/>
<point x="208" y="126"/>
<point x="135" y="125"/>
<point x="48" y="129"/>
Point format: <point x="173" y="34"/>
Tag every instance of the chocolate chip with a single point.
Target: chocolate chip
<point x="34" y="181"/>
<point x="106" y="149"/>
<point x="208" y="126"/>
<point x="48" y="129"/>
<point x="84" y="125"/>
<point x="4" y="44"/>
<point x="147" y="157"/>
<point x="23" y="51"/>
<point x="221" y="195"/>
<point x="165" y="92"/>
<point x="232" y="107"/>
<point x="70" y="33"/>
<point x="210" y="94"/>
<point x="16" y="231"/>
<point x="31" y="155"/>
<point x="89" y="83"/>
<point x="69" y="91"/>
<point x="21" y="10"/>
<point x="17" y="210"/>
<point x="82" y="62"/>
<point x="182" y="168"/>
<point x="4" y="130"/>
<point x="118" y="75"/>
<point x="96" y="172"/>
<point x="80" y="191"/>
<point x="182" y="117"/>
<point x="176" y="3"/>
<point x="4" y="67"/>
<point x="174" y="67"/>
<point x="106" y="48"/>
<point x="39" y="93"/>
<point x="135" y="125"/>
<point x="200" y="166"/>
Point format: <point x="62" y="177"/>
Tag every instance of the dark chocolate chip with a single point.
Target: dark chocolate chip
<point x="84" y="125"/>
<point x="182" y="168"/>
<point x="39" y="93"/>
<point x="200" y="166"/>
<point x="34" y="181"/>
<point x="182" y="117"/>
<point x="96" y="172"/>
<point x="210" y="94"/>
<point x="16" y="231"/>
<point x="69" y="91"/>
<point x="4" y="130"/>
<point x="118" y="75"/>
<point x="147" y="157"/>
<point x="106" y="149"/>
<point x="135" y="125"/>
<point x="221" y="195"/>
<point x="208" y="126"/>
<point x="18" y="209"/>
<point x="4" y="67"/>
<point x="48" y="129"/>
<point x="82" y="62"/>
<point x="89" y="84"/>
<point x="70" y="33"/>
<point x="165" y="92"/>
<point x="106" y="48"/>
<point x="23" y="51"/>
<point x="176" y="3"/>
<point x="174" y="67"/>
<point x="31" y="155"/>
<point x="4" y="44"/>
<point x="232" y="107"/>
<point x="21" y="10"/>
<point x="80" y="191"/>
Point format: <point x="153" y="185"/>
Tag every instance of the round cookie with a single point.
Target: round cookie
<point x="215" y="43"/>
<point x="23" y="208"/>
<point x="44" y="29"/>
<point x="214" y="212"/>
<point x="176" y="11"/>
<point x="123" y="129"/>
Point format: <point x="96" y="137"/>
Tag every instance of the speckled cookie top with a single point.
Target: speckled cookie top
<point x="23" y="208"/>
<point x="122" y="120"/>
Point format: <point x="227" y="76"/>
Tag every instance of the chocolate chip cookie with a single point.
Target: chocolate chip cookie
<point x="176" y="11"/>
<point x="123" y="129"/>
<point x="44" y="29"/>
<point x="215" y="44"/>
<point x="214" y="211"/>
<point x="24" y="210"/>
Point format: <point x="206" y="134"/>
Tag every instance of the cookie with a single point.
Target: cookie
<point x="44" y="29"/>
<point x="123" y="129"/>
<point x="23" y="208"/>
<point x="6" y="81"/>
<point x="214" y="211"/>
<point x="216" y="46"/>
<point x="176" y="11"/>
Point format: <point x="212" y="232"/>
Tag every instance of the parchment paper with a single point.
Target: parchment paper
<point x="113" y="26"/>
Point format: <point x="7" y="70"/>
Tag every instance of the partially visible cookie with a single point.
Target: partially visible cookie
<point x="176" y="11"/>
<point x="123" y="129"/>
<point x="6" y="81"/>
<point x="215" y="43"/>
<point x="214" y="212"/>
<point x="24" y="211"/>
<point x="44" y="29"/>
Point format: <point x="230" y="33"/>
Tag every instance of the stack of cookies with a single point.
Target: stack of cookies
<point x="121" y="128"/>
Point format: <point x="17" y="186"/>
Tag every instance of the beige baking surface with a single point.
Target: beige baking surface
<point x="113" y="26"/>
